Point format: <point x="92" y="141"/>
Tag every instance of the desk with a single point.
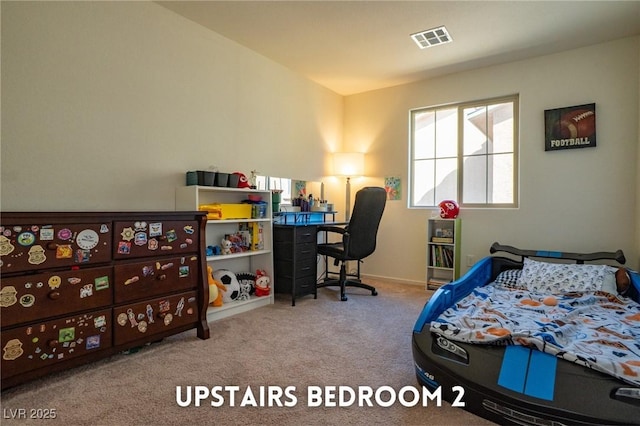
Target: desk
<point x="303" y="218"/>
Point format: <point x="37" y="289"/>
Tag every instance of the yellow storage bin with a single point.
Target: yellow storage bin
<point x="226" y="211"/>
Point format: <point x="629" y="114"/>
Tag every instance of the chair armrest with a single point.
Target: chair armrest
<point x="329" y="228"/>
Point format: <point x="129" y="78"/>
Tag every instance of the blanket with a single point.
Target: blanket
<point x="595" y="329"/>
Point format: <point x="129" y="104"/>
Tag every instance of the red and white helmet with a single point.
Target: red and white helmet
<point x="243" y="182"/>
<point x="449" y="209"/>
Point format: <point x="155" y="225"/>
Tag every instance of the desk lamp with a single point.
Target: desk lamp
<point x="348" y="164"/>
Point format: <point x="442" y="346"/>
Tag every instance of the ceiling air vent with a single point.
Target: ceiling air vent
<point x="432" y="37"/>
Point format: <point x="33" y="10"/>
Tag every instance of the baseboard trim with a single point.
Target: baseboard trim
<point x="393" y="279"/>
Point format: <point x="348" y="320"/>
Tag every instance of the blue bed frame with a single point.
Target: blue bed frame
<point x="514" y="384"/>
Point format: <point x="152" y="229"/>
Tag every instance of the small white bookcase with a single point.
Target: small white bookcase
<point x="443" y="251"/>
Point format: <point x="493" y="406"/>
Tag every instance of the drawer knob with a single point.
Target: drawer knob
<point x="52" y="343"/>
<point x="54" y="295"/>
<point x="161" y="277"/>
<point x="52" y="246"/>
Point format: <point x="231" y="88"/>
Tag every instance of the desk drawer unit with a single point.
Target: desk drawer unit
<point x="295" y="260"/>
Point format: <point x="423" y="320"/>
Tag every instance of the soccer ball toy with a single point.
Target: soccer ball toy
<point x="230" y="281"/>
<point x="449" y="209"/>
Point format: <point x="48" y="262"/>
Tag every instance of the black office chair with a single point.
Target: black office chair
<point x="358" y="239"/>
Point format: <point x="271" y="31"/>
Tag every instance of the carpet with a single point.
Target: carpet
<point x="258" y="367"/>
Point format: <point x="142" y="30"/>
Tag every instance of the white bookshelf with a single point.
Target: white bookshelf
<point x="190" y="198"/>
<point x="443" y="251"/>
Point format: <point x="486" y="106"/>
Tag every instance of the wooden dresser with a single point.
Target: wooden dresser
<point x="77" y="287"/>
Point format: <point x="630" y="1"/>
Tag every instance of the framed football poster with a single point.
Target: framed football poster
<point x="570" y="127"/>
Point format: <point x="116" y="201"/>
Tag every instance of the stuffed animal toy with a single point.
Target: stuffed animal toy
<point x="248" y="280"/>
<point x="226" y="246"/>
<point x="216" y="288"/>
<point x="245" y="290"/>
<point x="213" y="250"/>
<point x="230" y="281"/>
<point x="263" y="283"/>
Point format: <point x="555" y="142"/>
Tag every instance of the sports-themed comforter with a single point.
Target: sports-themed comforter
<point x="594" y="329"/>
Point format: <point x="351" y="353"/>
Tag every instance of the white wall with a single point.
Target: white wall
<point x="575" y="200"/>
<point x="105" y="106"/>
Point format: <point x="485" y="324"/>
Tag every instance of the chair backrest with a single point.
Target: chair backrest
<point x="363" y="226"/>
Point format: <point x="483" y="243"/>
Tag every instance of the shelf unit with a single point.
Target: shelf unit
<point x="443" y="251"/>
<point x="189" y="198"/>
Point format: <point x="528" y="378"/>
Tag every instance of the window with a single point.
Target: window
<point x="275" y="183"/>
<point x="466" y="152"/>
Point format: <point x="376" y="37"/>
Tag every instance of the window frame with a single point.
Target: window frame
<point x="461" y="106"/>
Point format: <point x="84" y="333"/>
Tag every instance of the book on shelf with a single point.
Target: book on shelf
<point x="436" y="282"/>
<point x="444" y="240"/>
<point x="441" y="257"/>
<point x="251" y="235"/>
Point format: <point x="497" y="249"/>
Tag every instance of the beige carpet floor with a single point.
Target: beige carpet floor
<point x="365" y="341"/>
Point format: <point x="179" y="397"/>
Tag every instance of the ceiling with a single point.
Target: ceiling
<point x="357" y="46"/>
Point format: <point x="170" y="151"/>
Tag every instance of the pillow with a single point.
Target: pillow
<point x="555" y="278"/>
<point x="509" y="278"/>
<point x="609" y="283"/>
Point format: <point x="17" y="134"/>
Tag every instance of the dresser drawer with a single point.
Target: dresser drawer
<point x="31" y="297"/>
<point x="146" y="238"/>
<point x="287" y="251"/>
<point x="44" y="344"/>
<point x="302" y="268"/>
<point x="34" y="246"/>
<point x="139" y="320"/>
<point x="305" y="285"/>
<point x="306" y="251"/>
<point x="306" y="234"/>
<point x="306" y="267"/>
<point x="154" y="277"/>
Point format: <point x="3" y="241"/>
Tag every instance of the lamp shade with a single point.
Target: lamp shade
<point x="349" y="164"/>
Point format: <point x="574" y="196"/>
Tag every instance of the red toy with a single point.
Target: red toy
<point x="243" y="182"/>
<point x="449" y="209"/>
<point x="263" y="283"/>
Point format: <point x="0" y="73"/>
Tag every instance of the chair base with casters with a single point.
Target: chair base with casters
<point x="344" y="280"/>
